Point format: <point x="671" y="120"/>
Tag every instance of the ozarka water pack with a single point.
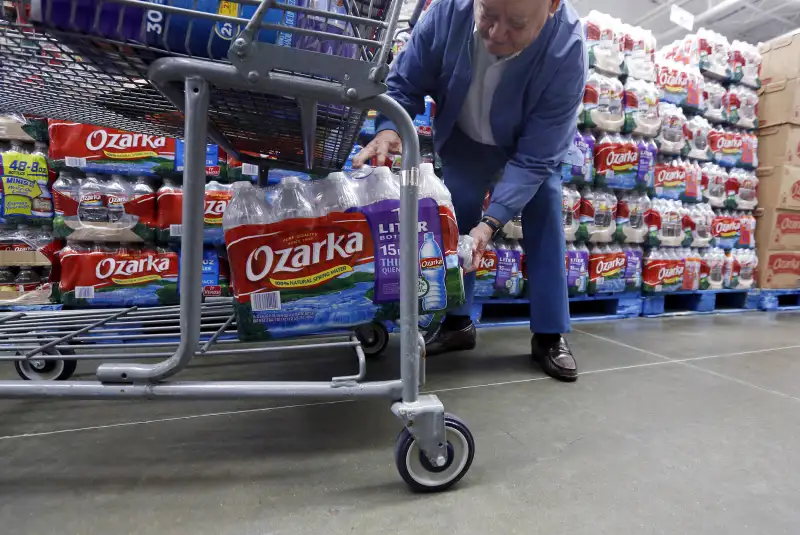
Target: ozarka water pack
<point x="125" y="276"/>
<point x="338" y="265"/>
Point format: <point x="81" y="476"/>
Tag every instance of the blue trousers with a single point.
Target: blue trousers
<point x="470" y="169"/>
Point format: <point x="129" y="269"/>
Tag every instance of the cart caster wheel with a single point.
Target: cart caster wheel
<point x="374" y="338"/>
<point x="418" y="472"/>
<point x="45" y="370"/>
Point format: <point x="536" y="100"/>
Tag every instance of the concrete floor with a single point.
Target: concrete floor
<point x="682" y="425"/>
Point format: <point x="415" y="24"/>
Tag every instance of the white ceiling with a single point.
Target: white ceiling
<point x="747" y="20"/>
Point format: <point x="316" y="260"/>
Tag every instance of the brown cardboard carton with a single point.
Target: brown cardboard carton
<point x="779" y="187"/>
<point x="778" y="230"/>
<point x="779" y="145"/>
<point x="781" y="58"/>
<point x="779" y="103"/>
<point x="23" y="258"/>
<point x="778" y="269"/>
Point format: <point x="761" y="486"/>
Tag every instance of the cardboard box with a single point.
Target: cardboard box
<point x="777" y="230"/>
<point x="779" y="145"/>
<point x="779" y="103"/>
<point x="779" y="187"/>
<point x="23" y="258"/>
<point x="781" y="58"/>
<point x="778" y="269"/>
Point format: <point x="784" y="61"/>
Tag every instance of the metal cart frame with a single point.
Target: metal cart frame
<point x="434" y="450"/>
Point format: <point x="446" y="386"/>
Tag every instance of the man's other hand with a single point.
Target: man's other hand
<point x="385" y="144"/>
<point x="482" y="234"/>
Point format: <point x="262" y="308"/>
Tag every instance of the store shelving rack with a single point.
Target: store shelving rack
<point x="267" y="105"/>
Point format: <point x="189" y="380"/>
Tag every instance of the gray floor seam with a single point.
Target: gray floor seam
<point x="664" y="360"/>
<point x="686" y="363"/>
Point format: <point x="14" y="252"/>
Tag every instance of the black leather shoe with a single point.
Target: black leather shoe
<point x="444" y="340"/>
<point x="556" y="359"/>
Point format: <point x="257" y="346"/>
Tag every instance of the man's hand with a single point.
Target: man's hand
<point x="482" y="234"/>
<point x="385" y="144"/>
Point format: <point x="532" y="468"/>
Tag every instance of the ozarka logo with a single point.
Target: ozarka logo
<point x="91" y="198"/>
<point x="216" y="207"/>
<point x="723" y="228"/>
<point x="126" y="268"/>
<point x="795" y="192"/>
<point x="670" y="273"/>
<point x="671" y="176"/>
<point x="728" y="143"/>
<point x="101" y="139"/>
<point x="622" y="158"/>
<point x="790" y="223"/>
<point x="294" y="259"/>
<point x="670" y="80"/>
<point x="785" y="264"/>
<point x="431" y="263"/>
<point x="609" y="267"/>
<point x="487" y="262"/>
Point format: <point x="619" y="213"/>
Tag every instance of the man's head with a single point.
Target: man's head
<point x="509" y="26"/>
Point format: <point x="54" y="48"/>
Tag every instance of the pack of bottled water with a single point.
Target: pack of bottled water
<point x="500" y="272"/>
<point x="28" y="264"/>
<point x="169" y="212"/>
<point x="324" y="255"/>
<point x="25" y="195"/>
<point x="104" y="208"/>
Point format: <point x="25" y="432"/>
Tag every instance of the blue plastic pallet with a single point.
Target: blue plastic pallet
<point x="779" y="300"/>
<point x="600" y="307"/>
<point x="685" y="303"/>
<point x="29" y="308"/>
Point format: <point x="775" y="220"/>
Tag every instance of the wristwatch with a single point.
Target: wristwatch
<point x="492" y="225"/>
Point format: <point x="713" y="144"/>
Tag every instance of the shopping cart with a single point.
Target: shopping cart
<point x="129" y="64"/>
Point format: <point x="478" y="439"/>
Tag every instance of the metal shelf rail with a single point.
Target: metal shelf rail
<point x="129" y="64"/>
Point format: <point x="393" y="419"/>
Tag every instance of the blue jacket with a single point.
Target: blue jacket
<point x="534" y="108"/>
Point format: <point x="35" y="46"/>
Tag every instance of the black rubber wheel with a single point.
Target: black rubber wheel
<point x="418" y="472"/>
<point x="374" y="338"/>
<point x="46" y="369"/>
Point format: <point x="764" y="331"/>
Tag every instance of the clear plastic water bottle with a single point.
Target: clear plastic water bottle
<point x="247" y="207"/>
<point x="338" y="194"/>
<point x="431" y="263"/>
<point x="380" y="185"/>
<point x="466" y="248"/>
<point x="65" y="187"/>
<point x="727" y="269"/>
<point x="43" y="236"/>
<point x="747" y="263"/>
<point x="169" y="198"/>
<point x="217" y="196"/>
<point x="92" y="203"/>
<point x="143" y="189"/>
<point x="6" y="277"/>
<point x="26" y="279"/>
<point x="567" y="215"/>
<point x="716" y="178"/>
<point x="291" y="201"/>
<point x="715" y="258"/>
<point x="118" y="192"/>
<point x="433" y="187"/>
<point x="515" y="289"/>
